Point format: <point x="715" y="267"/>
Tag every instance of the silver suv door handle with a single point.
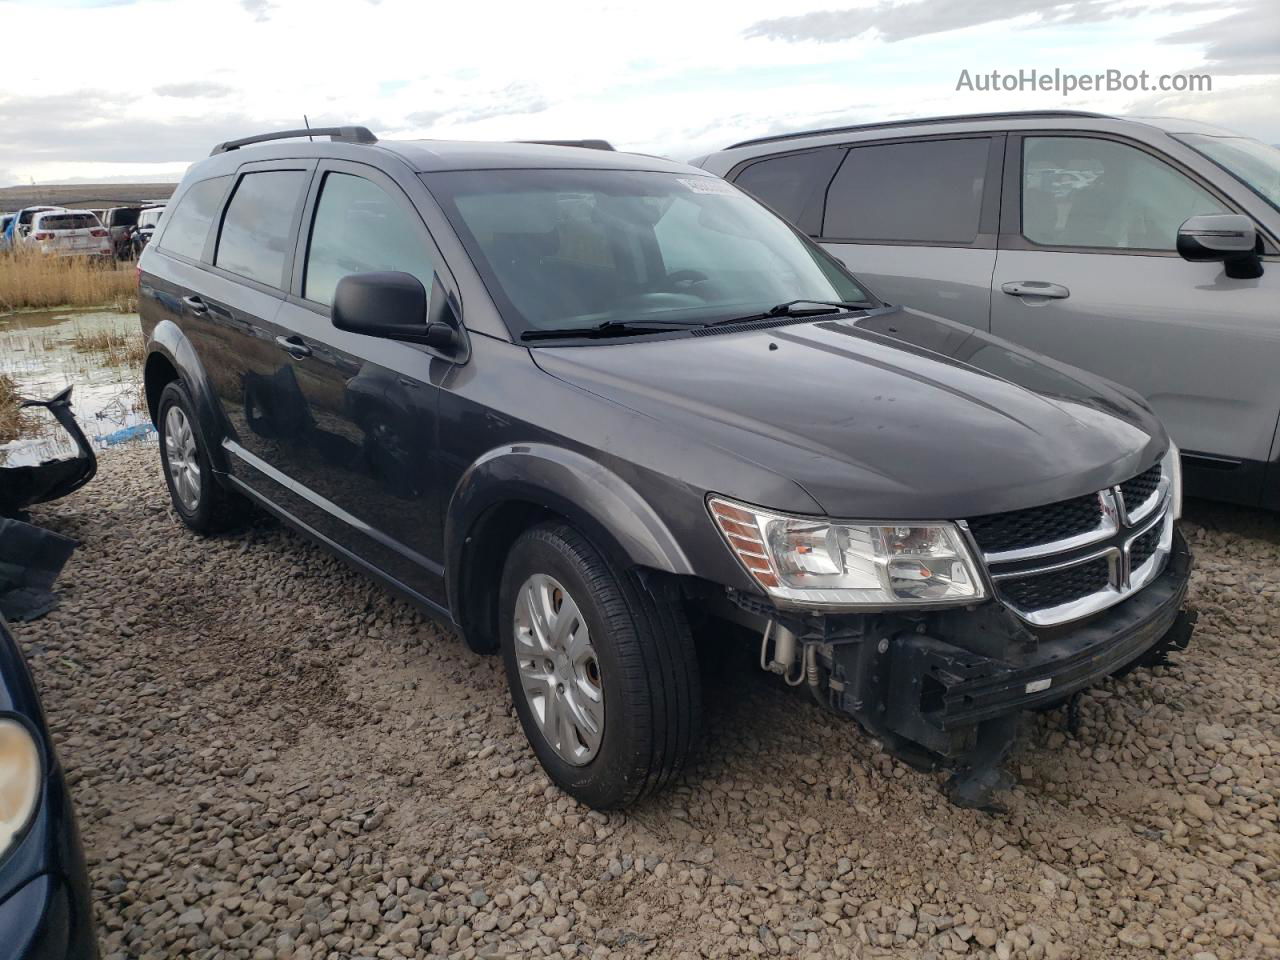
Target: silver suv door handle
<point x="1036" y="288"/>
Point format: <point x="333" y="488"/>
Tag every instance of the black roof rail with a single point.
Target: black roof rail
<point x="585" y="144"/>
<point x="917" y="121"/>
<point x="340" y="134"/>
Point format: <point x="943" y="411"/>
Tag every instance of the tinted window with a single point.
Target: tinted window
<point x="67" y="221"/>
<point x="1085" y="192"/>
<point x="927" y="191"/>
<point x="792" y="185"/>
<point x="257" y="231"/>
<point x="128" y="216"/>
<point x="188" y="226"/>
<point x="359" y="228"/>
<point x="577" y="248"/>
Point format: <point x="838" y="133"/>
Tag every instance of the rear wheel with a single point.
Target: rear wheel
<point x="601" y="667"/>
<point x="200" y="500"/>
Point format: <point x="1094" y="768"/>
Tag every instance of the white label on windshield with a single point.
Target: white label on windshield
<point x="710" y="185"/>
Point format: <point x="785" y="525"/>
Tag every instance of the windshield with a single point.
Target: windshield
<point x="149" y="218"/>
<point x="1253" y="163"/>
<point x="578" y="248"/>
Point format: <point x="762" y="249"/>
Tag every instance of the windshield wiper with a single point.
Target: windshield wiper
<point x="610" y="328"/>
<point x="788" y="309"/>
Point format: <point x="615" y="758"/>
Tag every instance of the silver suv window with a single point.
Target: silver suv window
<point x="1254" y="164"/>
<point x="1102" y="194"/>
<point x="929" y="191"/>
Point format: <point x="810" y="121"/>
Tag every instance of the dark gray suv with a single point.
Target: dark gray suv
<point x="581" y="404"/>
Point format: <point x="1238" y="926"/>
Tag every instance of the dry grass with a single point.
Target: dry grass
<point x="38" y="282"/>
<point x="10" y="426"/>
<point x="115" y="348"/>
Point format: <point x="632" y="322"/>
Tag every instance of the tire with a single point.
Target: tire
<point x="200" y="500"/>
<point x="646" y="670"/>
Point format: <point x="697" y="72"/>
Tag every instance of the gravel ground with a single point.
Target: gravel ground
<point x="273" y="758"/>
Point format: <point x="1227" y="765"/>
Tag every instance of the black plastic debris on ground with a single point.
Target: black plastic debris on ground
<point x="30" y="560"/>
<point x="22" y="485"/>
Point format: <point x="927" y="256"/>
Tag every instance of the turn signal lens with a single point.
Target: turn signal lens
<point x="19" y="780"/>
<point x="813" y="562"/>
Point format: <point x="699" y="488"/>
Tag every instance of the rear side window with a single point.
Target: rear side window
<point x="925" y="192"/>
<point x="360" y="228"/>
<point x="792" y="185"/>
<point x="128" y="216"/>
<point x="257" y="231"/>
<point x="188" y="225"/>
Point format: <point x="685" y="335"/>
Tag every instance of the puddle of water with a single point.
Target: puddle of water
<point x="97" y="353"/>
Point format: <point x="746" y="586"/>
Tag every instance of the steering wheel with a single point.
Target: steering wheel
<point x="684" y="279"/>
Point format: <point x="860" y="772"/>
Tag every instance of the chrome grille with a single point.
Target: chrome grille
<point x="1067" y="560"/>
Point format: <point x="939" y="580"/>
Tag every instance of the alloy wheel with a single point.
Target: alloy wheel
<point x="559" y="671"/>
<point x="180" y="454"/>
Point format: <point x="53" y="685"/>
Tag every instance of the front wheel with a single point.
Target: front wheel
<point x="601" y="667"/>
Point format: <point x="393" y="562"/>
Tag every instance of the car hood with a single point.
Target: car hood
<point x="892" y="414"/>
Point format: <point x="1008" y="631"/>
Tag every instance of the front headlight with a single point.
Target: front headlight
<point x="19" y="780"/>
<point x="812" y="562"/>
<point x="1173" y="470"/>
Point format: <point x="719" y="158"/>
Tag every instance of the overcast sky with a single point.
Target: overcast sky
<point x="99" y="89"/>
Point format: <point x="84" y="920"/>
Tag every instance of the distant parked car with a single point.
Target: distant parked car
<point x="120" y="222"/>
<point x="44" y="889"/>
<point x="148" y="220"/>
<point x="67" y="233"/>
<point x="20" y="225"/>
<point x="1070" y="233"/>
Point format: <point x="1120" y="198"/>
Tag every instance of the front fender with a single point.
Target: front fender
<point x="602" y="504"/>
<point x="168" y="341"/>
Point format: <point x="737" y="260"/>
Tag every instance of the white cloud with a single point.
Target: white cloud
<point x="664" y="76"/>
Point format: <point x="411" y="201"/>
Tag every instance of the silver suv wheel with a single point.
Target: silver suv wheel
<point x="559" y="672"/>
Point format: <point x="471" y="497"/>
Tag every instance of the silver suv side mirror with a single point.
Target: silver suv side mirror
<point x="1227" y="238"/>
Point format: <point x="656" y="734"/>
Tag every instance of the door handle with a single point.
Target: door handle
<point x="1036" y="288"/>
<point x="195" y="305"/>
<point x="294" y="347"/>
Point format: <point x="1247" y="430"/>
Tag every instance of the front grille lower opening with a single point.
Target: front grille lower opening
<point x="1044" y="591"/>
<point x="1144" y="547"/>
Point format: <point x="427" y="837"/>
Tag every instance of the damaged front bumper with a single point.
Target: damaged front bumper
<point x="943" y="690"/>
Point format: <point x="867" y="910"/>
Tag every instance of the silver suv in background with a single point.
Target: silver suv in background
<point x="1145" y="250"/>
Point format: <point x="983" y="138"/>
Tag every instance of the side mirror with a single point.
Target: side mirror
<point x="1227" y="238"/>
<point x="390" y="305"/>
